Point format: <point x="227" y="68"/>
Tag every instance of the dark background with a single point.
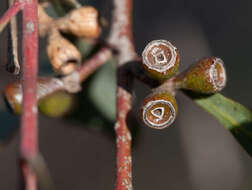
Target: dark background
<point x="196" y="153"/>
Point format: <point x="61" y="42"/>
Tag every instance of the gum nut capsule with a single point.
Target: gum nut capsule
<point x="14" y="95"/>
<point x="81" y="22"/>
<point x="206" y="76"/>
<point x="63" y="55"/>
<point x="160" y="59"/>
<point x="159" y="110"/>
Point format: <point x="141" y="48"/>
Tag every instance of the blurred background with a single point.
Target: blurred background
<point x="196" y="153"/>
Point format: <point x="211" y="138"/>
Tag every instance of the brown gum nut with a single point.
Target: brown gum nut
<point x="206" y="76"/>
<point x="63" y="55"/>
<point x="159" y="110"/>
<point x="160" y="59"/>
<point x="82" y="22"/>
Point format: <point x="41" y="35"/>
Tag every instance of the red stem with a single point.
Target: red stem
<point x="94" y="63"/>
<point x="121" y="39"/>
<point x="29" y="130"/>
<point x="12" y="11"/>
<point x="123" y="142"/>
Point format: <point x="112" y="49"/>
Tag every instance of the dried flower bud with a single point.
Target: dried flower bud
<point x="63" y="55"/>
<point x="159" y="110"/>
<point x="160" y="59"/>
<point x="45" y="86"/>
<point x="44" y="21"/>
<point x="206" y="76"/>
<point x="81" y="22"/>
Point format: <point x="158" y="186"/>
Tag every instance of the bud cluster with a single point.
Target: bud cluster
<point x="160" y="60"/>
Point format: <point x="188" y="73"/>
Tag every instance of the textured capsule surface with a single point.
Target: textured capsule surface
<point x="206" y="76"/>
<point x="82" y="22"/>
<point x="160" y="59"/>
<point x="159" y="110"/>
<point x="63" y="55"/>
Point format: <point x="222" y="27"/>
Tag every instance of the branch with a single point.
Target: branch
<point x="47" y="86"/>
<point x="94" y="63"/>
<point x="71" y="83"/>
<point x="29" y="136"/>
<point x="13" y="64"/>
<point x="121" y="34"/>
<point x="12" y="11"/>
<point x="121" y="39"/>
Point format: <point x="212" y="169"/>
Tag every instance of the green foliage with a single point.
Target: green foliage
<point x="232" y="115"/>
<point x="102" y="91"/>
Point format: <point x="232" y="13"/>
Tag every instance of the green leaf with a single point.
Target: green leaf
<point x="232" y="115"/>
<point x="102" y="91"/>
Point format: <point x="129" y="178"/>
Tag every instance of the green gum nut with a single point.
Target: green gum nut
<point x="160" y="59"/>
<point x="52" y="101"/>
<point x="56" y="104"/>
<point x="159" y="110"/>
<point x="207" y="76"/>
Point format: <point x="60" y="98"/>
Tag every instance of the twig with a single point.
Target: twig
<point x="75" y="3"/>
<point x="29" y="130"/>
<point x="121" y="39"/>
<point x="12" y="11"/>
<point x="13" y="66"/>
<point x="121" y="34"/>
<point x="72" y="82"/>
<point x="94" y="62"/>
<point x="47" y="86"/>
<point x="137" y="71"/>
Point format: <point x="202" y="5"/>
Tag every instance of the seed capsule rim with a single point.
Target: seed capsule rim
<point x="216" y="83"/>
<point x="169" y="65"/>
<point x="166" y="123"/>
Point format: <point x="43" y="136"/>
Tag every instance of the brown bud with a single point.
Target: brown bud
<point x="160" y="59"/>
<point x="159" y="110"/>
<point x="63" y="55"/>
<point x="44" y="21"/>
<point x="206" y="76"/>
<point x="13" y="96"/>
<point x="81" y="22"/>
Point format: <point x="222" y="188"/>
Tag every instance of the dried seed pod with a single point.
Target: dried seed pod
<point x="81" y="22"/>
<point x="206" y="76"/>
<point x="45" y="86"/>
<point x="160" y="59"/>
<point x="44" y="21"/>
<point x="159" y="110"/>
<point x="63" y="55"/>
